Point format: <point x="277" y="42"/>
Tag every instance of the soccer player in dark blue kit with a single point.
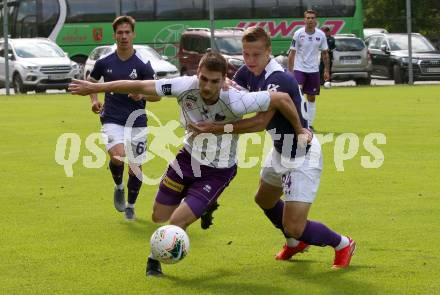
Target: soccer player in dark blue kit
<point x="123" y="64"/>
<point x="289" y="168"/>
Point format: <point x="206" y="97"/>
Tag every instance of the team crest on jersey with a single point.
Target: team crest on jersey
<point x="310" y="38"/>
<point x="219" y="117"/>
<point x="166" y="89"/>
<point x="318" y="39"/>
<point x="272" y="87"/>
<point x="189" y="105"/>
<point x="109" y="71"/>
<point x="133" y="75"/>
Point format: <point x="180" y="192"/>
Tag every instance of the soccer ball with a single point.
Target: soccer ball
<point x="169" y="244"/>
<point x="327" y="84"/>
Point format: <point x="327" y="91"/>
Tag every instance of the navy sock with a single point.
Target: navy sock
<point x="275" y="215"/>
<point x="318" y="234"/>
<point x="117" y="172"/>
<point x="134" y="185"/>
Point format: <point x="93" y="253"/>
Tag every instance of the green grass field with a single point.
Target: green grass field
<point x="61" y="235"/>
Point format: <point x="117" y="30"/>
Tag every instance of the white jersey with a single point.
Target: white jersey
<point x="308" y="48"/>
<point x="212" y="150"/>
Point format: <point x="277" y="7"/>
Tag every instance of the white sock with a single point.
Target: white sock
<point x="291" y="242"/>
<point x="120" y="186"/>
<point x="128" y="205"/>
<point x="344" y="243"/>
<point x="311" y="111"/>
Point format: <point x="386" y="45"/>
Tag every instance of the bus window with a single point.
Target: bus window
<point x="229" y="9"/>
<point x="90" y="11"/>
<point x="139" y="9"/>
<point x="26" y="20"/>
<point x="49" y="13"/>
<point x="290" y="8"/>
<point x="334" y="8"/>
<point x="183" y="9"/>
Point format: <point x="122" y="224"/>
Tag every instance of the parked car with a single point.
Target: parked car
<point x="160" y="65"/>
<point x="36" y="64"/>
<point x="351" y="60"/>
<point x="390" y="58"/>
<point x="371" y="31"/>
<point x="194" y="43"/>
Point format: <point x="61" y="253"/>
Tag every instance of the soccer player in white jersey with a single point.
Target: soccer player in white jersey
<point x="307" y="43"/>
<point x="199" y="173"/>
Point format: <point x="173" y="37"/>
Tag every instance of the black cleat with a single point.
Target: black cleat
<point x="153" y="268"/>
<point x="206" y="218"/>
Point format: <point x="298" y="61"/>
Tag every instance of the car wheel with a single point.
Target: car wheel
<point x="397" y="74"/>
<point x="18" y="84"/>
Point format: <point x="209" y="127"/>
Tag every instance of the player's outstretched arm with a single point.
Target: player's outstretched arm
<point x="291" y="59"/>
<point x="82" y="87"/>
<point x="254" y="124"/>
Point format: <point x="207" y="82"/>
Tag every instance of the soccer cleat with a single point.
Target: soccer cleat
<point x="129" y="214"/>
<point x="206" y="218"/>
<point x="119" y="199"/>
<point x="312" y="128"/>
<point x="343" y="256"/>
<point x="288" y="252"/>
<point x="153" y="268"/>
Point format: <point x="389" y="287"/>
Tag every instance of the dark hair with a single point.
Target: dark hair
<point x="310" y="11"/>
<point x="214" y="61"/>
<point x="325" y="29"/>
<point x="123" y="19"/>
<point x="254" y="34"/>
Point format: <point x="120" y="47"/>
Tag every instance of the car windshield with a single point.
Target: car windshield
<point x="349" y="44"/>
<point x="149" y="53"/>
<point x="229" y="45"/>
<point x="419" y="44"/>
<point x="40" y="49"/>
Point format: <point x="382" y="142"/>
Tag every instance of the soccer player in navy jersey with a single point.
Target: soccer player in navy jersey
<point x="122" y="64"/>
<point x="205" y="166"/>
<point x="299" y="181"/>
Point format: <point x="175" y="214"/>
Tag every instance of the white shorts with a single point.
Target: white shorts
<point x="299" y="179"/>
<point x="134" y="140"/>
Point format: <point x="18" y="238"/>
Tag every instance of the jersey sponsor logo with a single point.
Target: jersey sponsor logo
<point x="171" y="184"/>
<point x="133" y="75"/>
<point x="219" y="117"/>
<point x="166" y="89"/>
<point x="191" y="97"/>
<point x="318" y="39"/>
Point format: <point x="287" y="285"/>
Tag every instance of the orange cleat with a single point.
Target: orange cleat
<point x="288" y="252"/>
<point x="343" y="256"/>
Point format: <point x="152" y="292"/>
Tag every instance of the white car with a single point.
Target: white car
<point x="161" y="67"/>
<point x="36" y="64"/>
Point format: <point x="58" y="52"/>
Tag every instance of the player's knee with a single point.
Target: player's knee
<point x="157" y="217"/>
<point x="116" y="159"/>
<point x="294" y="230"/>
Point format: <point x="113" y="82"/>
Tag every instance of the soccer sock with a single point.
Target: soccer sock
<point x="275" y="215"/>
<point x="134" y="185"/>
<point x="318" y="234"/>
<point x="344" y="243"/>
<point x="291" y="242"/>
<point x="311" y="111"/>
<point x="117" y="173"/>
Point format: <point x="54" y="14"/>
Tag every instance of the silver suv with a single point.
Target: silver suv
<point x="351" y="61"/>
<point x="36" y="64"/>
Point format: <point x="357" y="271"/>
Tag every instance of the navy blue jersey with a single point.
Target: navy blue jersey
<point x="117" y="106"/>
<point x="274" y="78"/>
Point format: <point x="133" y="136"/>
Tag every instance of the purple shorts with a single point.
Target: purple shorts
<point x="310" y="82"/>
<point x="198" y="192"/>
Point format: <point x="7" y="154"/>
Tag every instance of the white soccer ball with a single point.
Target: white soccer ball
<point x="327" y="84"/>
<point x="169" y="244"/>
